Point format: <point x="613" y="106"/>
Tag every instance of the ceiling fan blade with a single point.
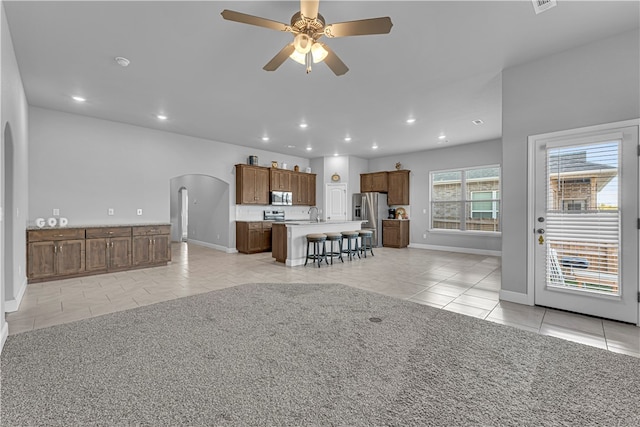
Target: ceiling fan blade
<point x="279" y="59"/>
<point x="337" y="66"/>
<point x="243" y="18"/>
<point x="309" y="8"/>
<point x="359" y="28"/>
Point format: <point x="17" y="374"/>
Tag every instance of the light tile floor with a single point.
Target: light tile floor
<point x="463" y="283"/>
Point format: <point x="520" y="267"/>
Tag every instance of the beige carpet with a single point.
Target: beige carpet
<point x="311" y="355"/>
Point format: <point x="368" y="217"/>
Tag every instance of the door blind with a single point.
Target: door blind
<point x="582" y="219"/>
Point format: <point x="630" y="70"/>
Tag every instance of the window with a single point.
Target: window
<point x="466" y="199"/>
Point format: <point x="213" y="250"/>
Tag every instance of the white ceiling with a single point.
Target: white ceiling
<point x="441" y="64"/>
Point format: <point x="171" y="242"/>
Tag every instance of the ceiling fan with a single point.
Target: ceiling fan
<point x="308" y="26"/>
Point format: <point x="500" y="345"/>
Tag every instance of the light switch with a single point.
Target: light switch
<point x="424" y="211"/>
<point x="110" y="211"/>
<point x="56" y="212"/>
<point x="139" y="212"/>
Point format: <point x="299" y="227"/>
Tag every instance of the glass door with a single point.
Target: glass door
<point x="586" y="237"/>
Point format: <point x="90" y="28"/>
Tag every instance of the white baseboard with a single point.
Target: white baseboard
<point x="4" y="334"/>
<point x="516" y="297"/>
<point x="213" y="246"/>
<point x="13" y="304"/>
<point x="456" y="249"/>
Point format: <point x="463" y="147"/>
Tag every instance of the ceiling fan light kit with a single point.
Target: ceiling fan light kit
<point x="308" y="26"/>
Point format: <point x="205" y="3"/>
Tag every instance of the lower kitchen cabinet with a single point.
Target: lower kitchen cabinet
<point x="253" y="236"/>
<point x="395" y="233"/>
<point x="71" y="252"/>
<point x="151" y="245"/>
<point x="53" y="253"/>
<point x="108" y="248"/>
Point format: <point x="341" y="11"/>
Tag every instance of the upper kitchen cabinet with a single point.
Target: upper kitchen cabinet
<point x="398" y="193"/>
<point x="304" y="188"/>
<point x="376" y="181"/>
<point x="281" y="180"/>
<point x="252" y="185"/>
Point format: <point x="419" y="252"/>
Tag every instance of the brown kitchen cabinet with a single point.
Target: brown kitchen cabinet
<point x="252" y="185"/>
<point x="304" y="188"/>
<point x="281" y="180"/>
<point x="395" y="233"/>
<point x="398" y="190"/>
<point x="108" y="248"/>
<point x="279" y="242"/>
<point x="151" y="245"/>
<point x="376" y="181"/>
<point x="253" y="236"/>
<point x="53" y="253"/>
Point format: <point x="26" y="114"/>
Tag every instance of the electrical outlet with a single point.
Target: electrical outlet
<point x="424" y="211"/>
<point x="424" y="236"/>
<point x="218" y="236"/>
<point x="139" y="212"/>
<point x="110" y="211"/>
<point x="56" y="212"/>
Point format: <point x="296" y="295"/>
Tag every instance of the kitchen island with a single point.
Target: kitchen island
<point x="289" y="239"/>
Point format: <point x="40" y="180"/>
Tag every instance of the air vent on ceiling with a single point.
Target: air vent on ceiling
<point x="541" y="5"/>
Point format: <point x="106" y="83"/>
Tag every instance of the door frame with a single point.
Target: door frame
<point x="531" y="224"/>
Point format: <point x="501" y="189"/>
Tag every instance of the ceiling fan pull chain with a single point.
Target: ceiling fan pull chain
<point x="308" y="60"/>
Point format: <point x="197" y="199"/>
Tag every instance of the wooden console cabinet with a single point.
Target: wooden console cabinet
<point x="253" y="236"/>
<point x="395" y="233"/>
<point x="71" y="252"/>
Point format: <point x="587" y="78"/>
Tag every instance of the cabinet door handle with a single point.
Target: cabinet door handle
<point x="107" y="244"/>
<point x="60" y="248"/>
<point x="55" y="249"/>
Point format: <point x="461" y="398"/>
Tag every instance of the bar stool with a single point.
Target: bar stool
<point x="366" y="241"/>
<point x="352" y="249"/>
<point x="333" y="238"/>
<point x="316" y="239"/>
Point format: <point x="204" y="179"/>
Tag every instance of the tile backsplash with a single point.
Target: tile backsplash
<point x="255" y="213"/>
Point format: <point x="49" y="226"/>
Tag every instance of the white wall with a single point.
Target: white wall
<point x="13" y="113"/>
<point x="421" y="164"/>
<point x="593" y="84"/>
<point x="83" y="166"/>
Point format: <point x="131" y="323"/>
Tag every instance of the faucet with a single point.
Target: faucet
<point x="317" y="219"/>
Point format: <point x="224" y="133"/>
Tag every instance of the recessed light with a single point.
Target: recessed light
<point x="265" y="138"/>
<point x="347" y="139"/>
<point x="78" y="98"/>
<point x="309" y="148"/>
<point x="477" y="122"/>
<point x="161" y="117"/>
<point x="122" y="61"/>
<point x="374" y="146"/>
<point x="303" y="125"/>
<point x="335" y="154"/>
<point x="442" y="136"/>
<point x="411" y="120"/>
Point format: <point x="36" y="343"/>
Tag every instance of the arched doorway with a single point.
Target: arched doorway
<point x="183" y="199"/>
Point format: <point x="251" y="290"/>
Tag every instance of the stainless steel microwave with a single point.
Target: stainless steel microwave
<point x="281" y="198"/>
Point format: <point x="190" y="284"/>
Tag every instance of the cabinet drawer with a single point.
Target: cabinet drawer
<point x="55" y="234"/>
<point x="148" y="230"/>
<point x="390" y="224"/>
<point x="267" y="225"/>
<point x="255" y="226"/>
<point x="94" y="233"/>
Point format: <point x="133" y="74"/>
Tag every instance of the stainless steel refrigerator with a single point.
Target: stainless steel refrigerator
<point x="372" y="208"/>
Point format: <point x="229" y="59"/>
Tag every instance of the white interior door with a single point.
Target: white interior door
<point x="336" y="207"/>
<point x="585" y="223"/>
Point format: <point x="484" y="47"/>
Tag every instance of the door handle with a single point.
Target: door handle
<point x="540" y="231"/>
